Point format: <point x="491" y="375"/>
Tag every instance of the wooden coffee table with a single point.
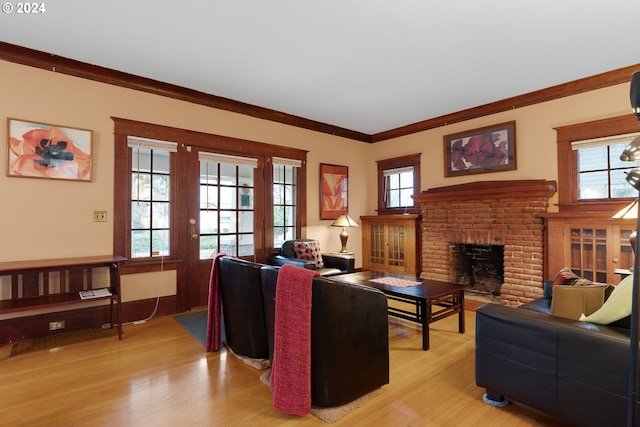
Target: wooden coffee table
<point x="433" y="300"/>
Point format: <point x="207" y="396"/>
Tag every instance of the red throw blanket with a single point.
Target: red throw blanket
<point x="213" y="317"/>
<point x="291" y="368"/>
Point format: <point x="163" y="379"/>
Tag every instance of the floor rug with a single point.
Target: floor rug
<point x="195" y="323"/>
<point x="333" y="414"/>
<point x="61" y="340"/>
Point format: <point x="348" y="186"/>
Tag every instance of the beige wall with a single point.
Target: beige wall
<point x="51" y="219"/>
<point x="535" y="138"/>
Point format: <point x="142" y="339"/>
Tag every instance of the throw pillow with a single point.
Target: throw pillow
<point x="617" y="306"/>
<point x="565" y="277"/>
<point x="310" y="251"/>
<point x="572" y="302"/>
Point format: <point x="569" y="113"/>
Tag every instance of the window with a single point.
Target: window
<point x="187" y="201"/>
<point x="226" y="205"/>
<point x="398" y="180"/>
<point x="284" y="199"/>
<point x="601" y="173"/>
<point x="398" y="187"/>
<point x="150" y="197"/>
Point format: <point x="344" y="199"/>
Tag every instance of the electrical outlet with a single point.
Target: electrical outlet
<point x="99" y="216"/>
<point x="54" y="326"/>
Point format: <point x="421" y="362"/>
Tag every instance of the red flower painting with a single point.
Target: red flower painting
<point x="481" y="152"/>
<point x="47" y="152"/>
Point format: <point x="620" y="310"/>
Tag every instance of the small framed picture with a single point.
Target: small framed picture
<point x="488" y="149"/>
<point x="40" y="150"/>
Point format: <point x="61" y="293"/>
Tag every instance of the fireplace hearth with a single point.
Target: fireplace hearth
<point x="504" y="214"/>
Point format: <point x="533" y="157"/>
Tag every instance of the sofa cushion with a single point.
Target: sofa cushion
<point x="617" y="306"/>
<point x="309" y="250"/>
<point x="572" y="302"/>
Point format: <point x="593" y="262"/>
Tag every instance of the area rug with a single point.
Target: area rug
<point x="195" y="323"/>
<point x="333" y="414"/>
<point x="61" y="340"/>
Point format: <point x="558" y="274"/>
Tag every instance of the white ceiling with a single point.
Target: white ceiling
<point x="364" y="65"/>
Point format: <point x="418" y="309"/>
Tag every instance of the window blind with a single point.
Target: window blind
<point x="286" y="162"/>
<point x="607" y="140"/>
<point x="225" y="158"/>
<point x="396" y="171"/>
<point x="151" y="144"/>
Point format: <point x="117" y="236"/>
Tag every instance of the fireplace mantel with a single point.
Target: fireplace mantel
<point x="478" y="189"/>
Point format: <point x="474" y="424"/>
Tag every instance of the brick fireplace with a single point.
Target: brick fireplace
<point x="504" y="213"/>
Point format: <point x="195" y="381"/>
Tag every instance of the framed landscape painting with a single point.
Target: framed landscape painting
<point x="40" y="150"/>
<point x="334" y="190"/>
<point x="488" y="149"/>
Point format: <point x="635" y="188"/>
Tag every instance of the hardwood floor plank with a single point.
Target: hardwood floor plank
<point x="159" y="375"/>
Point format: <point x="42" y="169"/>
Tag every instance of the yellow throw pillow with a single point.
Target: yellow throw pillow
<point x="617" y="306"/>
<point x="572" y="302"/>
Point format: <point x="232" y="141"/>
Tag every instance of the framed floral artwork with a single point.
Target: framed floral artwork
<point x="334" y="191"/>
<point x="40" y="150"/>
<point x="488" y="149"/>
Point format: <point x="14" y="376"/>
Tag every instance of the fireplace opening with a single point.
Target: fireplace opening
<point x="481" y="267"/>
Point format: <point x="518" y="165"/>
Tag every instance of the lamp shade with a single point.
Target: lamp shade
<point x="344" y="220"/>
<point x="631" y="152"/>
<point x="633" y="178"/>
<point x="628" y="212"/>
<point x="635" y="94"/>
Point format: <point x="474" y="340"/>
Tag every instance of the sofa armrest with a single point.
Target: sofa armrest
<point x="341" y="262"/>
<point x="515" y="347"/>
<point x="280" y="260"/>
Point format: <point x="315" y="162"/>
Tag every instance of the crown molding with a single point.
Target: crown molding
<point x="58" y="64"/>
<point x="599" y="81"/>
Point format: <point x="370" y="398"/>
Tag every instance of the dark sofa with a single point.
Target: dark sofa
<point x="575" y="371"/>
<point x="349" y="329"/>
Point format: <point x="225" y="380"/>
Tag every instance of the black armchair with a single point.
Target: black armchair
<point x="349" y="338"/>
<point x="329" y="264"/>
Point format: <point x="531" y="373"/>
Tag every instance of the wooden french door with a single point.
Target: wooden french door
<point x="225" y="198"/>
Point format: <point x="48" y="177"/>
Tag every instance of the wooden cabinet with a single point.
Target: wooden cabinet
<point x="593" y="249"/>
<point x="390" y="243"/>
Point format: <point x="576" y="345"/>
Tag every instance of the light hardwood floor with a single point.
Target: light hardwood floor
<point x="159" y="375"/>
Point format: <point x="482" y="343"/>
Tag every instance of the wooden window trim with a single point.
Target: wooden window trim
<point x="568" y="161"/>
<point x="122" y="182"/>
<point x="412" y="160"/>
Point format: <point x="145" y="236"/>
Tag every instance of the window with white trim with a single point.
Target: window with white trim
<point x="284" y="199"/>
<point x="150" y="197"/>
<point x="600" y="172"/>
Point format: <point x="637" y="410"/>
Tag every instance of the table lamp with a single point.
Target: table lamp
<point x="344" y="221"/>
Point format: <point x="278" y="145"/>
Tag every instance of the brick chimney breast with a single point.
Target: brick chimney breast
<point x="488" y="213"/>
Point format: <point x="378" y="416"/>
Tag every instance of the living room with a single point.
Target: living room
<point x="48" y="219"/>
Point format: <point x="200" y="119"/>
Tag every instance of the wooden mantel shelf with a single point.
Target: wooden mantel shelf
<point x="489" y="188"/>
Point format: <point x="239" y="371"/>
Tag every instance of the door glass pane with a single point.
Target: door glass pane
<point x="245" y="222"/>
<point x="226" y="209"/>
<point x="208" y="222"/>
